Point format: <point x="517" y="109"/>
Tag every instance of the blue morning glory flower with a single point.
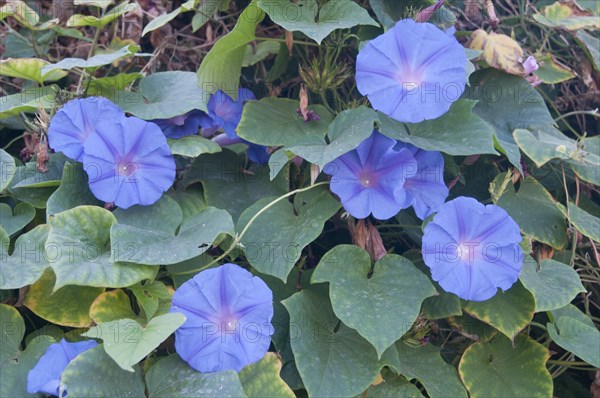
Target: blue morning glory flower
<point x="412" y="72"/>
<point x="45" y="375"/>
<point x="187" y="124"/>
<point x="228" y="312"/>
<point x="472" y="249"/>
<point x="128" y="162"/>
<point x="227" y="113"/>
<point x="427" y="187"/>
<point x="72" y="124"/>
<point x="371" y="178"/>
<point x="256" y="153"/>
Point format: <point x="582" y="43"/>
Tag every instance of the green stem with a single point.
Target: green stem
<point x="239" y="237"/>
<point x="90" y="53"/>
<point x="14" y="140"/>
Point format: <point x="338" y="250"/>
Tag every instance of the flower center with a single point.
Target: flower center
<point x="466" y="251"/>
<point x="367" y="179"/>
<point x="126" y="168"/>
<point x="229" y="324"/>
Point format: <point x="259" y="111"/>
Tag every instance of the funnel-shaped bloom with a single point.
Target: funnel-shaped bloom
<point x="187" y="124"/>
<point x="227" y="113"/>
<point x="412" y="72"/>
<point x="76" y="120"/>
<point x="472" y="249"/>
<point x="427" y="187"/>
<point x="256" y="153"/>
<point x="371" y="178"/>
<point x="128" y="162"/>
<point x="45" y="375"/>
<point x="228" y="314"/>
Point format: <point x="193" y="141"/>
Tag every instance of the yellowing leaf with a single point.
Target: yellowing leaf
<point x="551" y="72"/>
<point x="567" y="17"/>
<point x="29" y="69"/>
<point x="499" y="51"/>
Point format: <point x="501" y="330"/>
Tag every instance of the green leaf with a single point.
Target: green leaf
<point x="29" y="177"/>
<point x="382" y="307"/>
<point x="73" y="191"/>
<point x="261" y="379"/>
<point x="94" y="374"/>
<point x="228" y="185"/>
<point x="155" y="247"/>
<point x="275" y="122"/>
<point x="255" y="54"/>
<point x="592" y="45"/>
<point x="325" y="347"/>
<point x="221" y="67"/>
<point x="534" y="209"/>
<point x="501" y="369"/>
<point x="542" y="146"/>
<point x="148" y="296"/>
<point x="27" y="262"/>
<point x="193" y="146"/>
<point x="441" y="306"/>
<point x="458" y="132"/>
<point x="583" y="221"/>
<point x="14" y="220"/>
<point x="111" y="306"/>
<point x="204" y="13"/>
<point x="27" y="101"/>
<point x="8" y="168"/>
<point x="316" y="22"/>
<point x="586" y="162"/>
<point x="29" y="69"/>
<point x="274" y="242"/>
<point x="553" y="285"/>
<point x="346" y="132"/>
<point x="550" y="72"/>
<point x="427" y="366"/>
<point x="577" y="337"/>
<point x="394" y="387"/>
<point x="161" y="20"/>
<point x="172" y="377"/>
<point x="58" y="305"/>
<point x="182" y="96"/>
<point x="508" y="103"/>
<point x="80" y="251"/>
<point x="108" y="17"/>
<point x="127" y="342"/>
<point x="562" y="16"/>
<point x="12" y="330"/>
<point x="191" y="201"/>
<point x="509" y="311"/>
<point x="92" y="62"/>
<point x="20" y="11"/>
<point x="106" y="86"/>
<point x="14" y="372"/>
<point x="163" y="216"/>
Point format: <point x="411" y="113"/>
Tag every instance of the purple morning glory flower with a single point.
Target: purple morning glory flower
<point x="472" y="249"/>
<point x="412" y="72"/>
<point x="45" y="375"/>
<point x="187" y="124"/>
<point x="530" y="65"/>
<point x="128" y="162"/>
<point x="72" y="124"/>
<point x="228" y="324"/>
<point x="371" y="178"/>
<point x="225" y="112"/>
<point x="427" y="187"/>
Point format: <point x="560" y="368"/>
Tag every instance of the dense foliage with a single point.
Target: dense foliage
<point x="300" y="198"/>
